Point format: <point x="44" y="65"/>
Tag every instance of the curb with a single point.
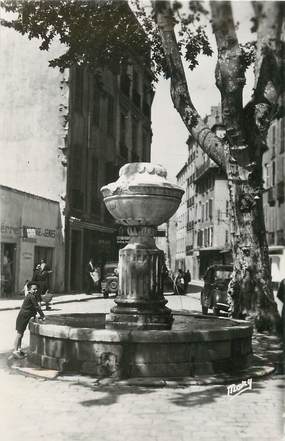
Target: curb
<point x="254" y="372"/>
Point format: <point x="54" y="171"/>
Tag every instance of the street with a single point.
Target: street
<point x="33" y="409"/>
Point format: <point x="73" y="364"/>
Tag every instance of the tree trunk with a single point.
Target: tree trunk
<point x="250" y="291"/>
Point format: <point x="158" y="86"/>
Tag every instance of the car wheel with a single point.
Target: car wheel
<point x="106" y="294"/>
<point x="204" y="310"/>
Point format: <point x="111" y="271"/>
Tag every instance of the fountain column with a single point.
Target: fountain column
<point x="142" y="199"/>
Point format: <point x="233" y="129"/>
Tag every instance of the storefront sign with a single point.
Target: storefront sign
<point x="10" y="230"/>
<point x="27" y="231"/>
<point x="32" y="232"/>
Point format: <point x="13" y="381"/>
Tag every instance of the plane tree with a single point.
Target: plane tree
<point x="102" y="33"/>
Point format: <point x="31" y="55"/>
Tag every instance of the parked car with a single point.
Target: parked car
<point x="110" y="279"/>
<point x="214" y="292"/>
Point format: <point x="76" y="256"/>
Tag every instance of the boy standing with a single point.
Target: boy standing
<point x="29" y="309"/>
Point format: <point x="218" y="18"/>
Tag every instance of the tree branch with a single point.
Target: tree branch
<point x="230" y="71"/>
<point x="269" y="64"/>
<point x="207" y="140"/>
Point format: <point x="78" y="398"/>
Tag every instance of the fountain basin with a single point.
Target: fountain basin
<point x="196" y="345"/>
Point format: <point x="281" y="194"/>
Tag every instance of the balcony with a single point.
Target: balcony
<point x="271" y="196"/>
<point x="204" y="168"/>
<point x="280" y="191"/>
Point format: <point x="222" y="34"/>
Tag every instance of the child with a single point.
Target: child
<point x="29" y="309"/>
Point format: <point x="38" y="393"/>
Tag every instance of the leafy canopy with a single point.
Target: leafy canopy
<point x="103" y="32"/>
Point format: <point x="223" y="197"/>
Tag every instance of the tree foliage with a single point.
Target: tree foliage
<point x="103" y="33"/>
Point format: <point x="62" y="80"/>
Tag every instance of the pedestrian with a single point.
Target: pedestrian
<point x="30" y="307"/>
<point x="93" y="276"/>
<point x="179" y="283"/>
<point x="281" y="297"/>
<point x="41" y="276"/>
<point x="187" y="280"/>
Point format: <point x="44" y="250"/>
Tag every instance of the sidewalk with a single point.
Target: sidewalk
<point x="11" y="304"/>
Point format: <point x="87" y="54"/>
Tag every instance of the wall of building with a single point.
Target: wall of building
<point x="28" y="222"/>
<point x="33" y="129"/>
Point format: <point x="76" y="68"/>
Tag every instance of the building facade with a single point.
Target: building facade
<point x="109" y="125"/>
<point x="274" y="197"/>
<point x="65" y="135"/>
<point x="203" y="236"/>
<point x="31" y="230"/>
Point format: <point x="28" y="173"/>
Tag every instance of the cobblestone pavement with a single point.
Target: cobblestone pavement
<point x="35" y="409"/>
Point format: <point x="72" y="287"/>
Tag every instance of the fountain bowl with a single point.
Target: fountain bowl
<point x="196" y="345"/>
<point x="142" y="195"/>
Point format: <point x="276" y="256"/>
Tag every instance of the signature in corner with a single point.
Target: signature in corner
<point x="237" y="389"/>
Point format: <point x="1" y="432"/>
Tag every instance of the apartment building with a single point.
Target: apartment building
<point x="274" y="197"/>
<point x="203" y="236"/>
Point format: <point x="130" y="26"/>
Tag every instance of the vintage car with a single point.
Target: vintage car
<point x="214" y="292"/>
<point x="110" y="279"/>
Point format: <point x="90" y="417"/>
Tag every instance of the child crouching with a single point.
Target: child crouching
<point x="29" y="309"/>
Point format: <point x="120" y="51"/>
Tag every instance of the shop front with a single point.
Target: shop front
<point x="30" y="232"/>
<point x="86" y="241"/>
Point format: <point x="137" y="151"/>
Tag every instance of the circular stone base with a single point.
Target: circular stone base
<point x="196" y="345"/>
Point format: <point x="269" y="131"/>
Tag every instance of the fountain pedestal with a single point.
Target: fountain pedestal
<point x="140" y="303"/>
<point x="142" y="199"/>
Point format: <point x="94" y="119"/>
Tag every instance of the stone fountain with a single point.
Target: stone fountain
<point x="142" y="199"/>
<point x="141" y="337"/>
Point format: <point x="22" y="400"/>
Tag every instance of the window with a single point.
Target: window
<point x="125" y="82"/>
<point x="273" y="173"/>
<point x="227" y="237"/>
<point x="211" y="237"/>
<point x="123" y="135"/>
<point x="227" y="208"/>
<point x="267" y="176"/>
<point x="282" y="137"/>
<point x="79" y="78"/>
<point x="110" y="116"/>
<point x="210" y="209"/>
<point x="95" y="202"/>
<point x="96" y="108"/>
<point x="134" y="134"/>
<point x="136" y="96"/>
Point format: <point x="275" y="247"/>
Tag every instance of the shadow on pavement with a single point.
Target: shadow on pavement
<point x="113" y="393"/>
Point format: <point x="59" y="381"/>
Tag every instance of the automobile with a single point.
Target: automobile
<point x="214" y="292"/>
<point x="110" y="279"/>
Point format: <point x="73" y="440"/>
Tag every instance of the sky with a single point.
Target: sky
<point x="169" y="133"/>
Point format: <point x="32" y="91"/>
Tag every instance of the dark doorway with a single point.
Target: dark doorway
<point x="8" y="259"/>
<point x="75" y="261"/>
